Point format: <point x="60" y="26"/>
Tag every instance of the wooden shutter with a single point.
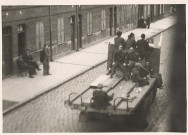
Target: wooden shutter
<point x="37" y="35"/>
<point x="58" y="31"/>
<point x="41" y="35"/>
<point x="62" y="30"/>
<point x="88" y="26"/>
<point x="91" y="23"/>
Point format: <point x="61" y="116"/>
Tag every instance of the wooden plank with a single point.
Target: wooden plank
<point x="100" y="79"/>
<point x="86" y="97"/>
<point x="139" y="95"/>
<point x="121" y="89"/>
<point x="111" y="82"/>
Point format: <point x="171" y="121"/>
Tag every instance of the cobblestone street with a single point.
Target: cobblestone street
<point x="47" y="113"/>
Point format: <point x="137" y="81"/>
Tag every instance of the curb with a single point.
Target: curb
<point x="49" y="89"/>
<point x="6" y="111"/>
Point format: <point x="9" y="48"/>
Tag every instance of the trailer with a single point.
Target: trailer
<point x="130" y="103"/>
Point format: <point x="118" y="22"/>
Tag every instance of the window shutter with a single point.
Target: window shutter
<point x="87" y="23"/>
<point x="37" y="35"/>
<point x="58" y="32"/>
<point x="41" y="35"/>
<point x="104" y="19"/>
<point x="91" y="23"/>
<point x="62" y="30"/>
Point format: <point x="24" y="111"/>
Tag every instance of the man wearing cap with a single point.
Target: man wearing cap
<point x="119" y="60"/>
<point x="143" y="48"/>
<point x="45" y="59"/>
<point x="119" y="40"/>
<point x="131" y="42"/>
<point x="100" y="97"/>
<point x="28" y="58"/>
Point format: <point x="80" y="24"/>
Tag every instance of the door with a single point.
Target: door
<point x="7" y="50"/>
<point x="79" y="31"/>
<point x="111" y="20"/>
<point x="115" y="20"/>
<point x="73" y="32"/>
<point x="21" y="39"/>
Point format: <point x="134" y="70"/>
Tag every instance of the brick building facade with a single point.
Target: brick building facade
<point x="33" y="26"/>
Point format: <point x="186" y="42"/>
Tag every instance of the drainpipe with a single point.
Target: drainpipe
<point x="50" y="33"/>
<point x="77" y="35"/>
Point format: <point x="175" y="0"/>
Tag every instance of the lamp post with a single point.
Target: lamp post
<point x="50" y="33"/>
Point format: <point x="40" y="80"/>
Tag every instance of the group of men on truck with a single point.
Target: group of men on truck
<point x="131" y="59"/>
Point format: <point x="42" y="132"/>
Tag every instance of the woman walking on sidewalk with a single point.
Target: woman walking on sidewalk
<point x="44" y="58"/>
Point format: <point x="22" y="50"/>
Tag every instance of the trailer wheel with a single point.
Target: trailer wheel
<point x="85" y="116"/>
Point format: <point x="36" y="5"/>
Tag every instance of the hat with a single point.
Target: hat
<point x="100" y="86"/>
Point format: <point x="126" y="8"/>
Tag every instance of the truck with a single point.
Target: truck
<point x="130" y="103"/>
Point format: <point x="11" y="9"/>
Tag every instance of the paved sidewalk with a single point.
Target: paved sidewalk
<point x="20" y="89"/>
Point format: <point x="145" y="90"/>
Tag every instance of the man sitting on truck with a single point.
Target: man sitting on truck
<point x="136" y="76"/>
<point x="119" y="59"/>
<point x="150" y="72"/>
<point x="119" y="41"/>
<point x="101" y="98"/>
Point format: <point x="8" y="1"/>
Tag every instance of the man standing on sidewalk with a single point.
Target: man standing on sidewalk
<point x="148" y="21"/>
<point x="44" y="58"/>
<point x="119" y="41"/>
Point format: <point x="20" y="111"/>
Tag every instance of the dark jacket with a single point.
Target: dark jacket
<point x="136" y="77"/>
<point x="101" y="98"/>
<point x="119" y="56"/>
<point x="143" y="47"/>
<point x="27" y="58"/>
<point x="148" y="20"/>
<point x="43" y="55"/>
<point x="118" y="41"/>
<point x="130" y="43"/>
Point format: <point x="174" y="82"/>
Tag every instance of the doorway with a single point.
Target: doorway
<point x="21" y="39"/>
<point x="7" y="50"/>
<point x="79" y="30"/>
<point x="115" y="20"/>
<point x="111" y="20"/>
<point x="72" y="22"/>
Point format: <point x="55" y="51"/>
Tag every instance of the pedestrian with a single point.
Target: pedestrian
<point x="142" y="48"/>
<point x="101" y="98"/>
<point x="28" y="58"/>
<point x="148" y="21"/>
<point x="119" y="40"/>
<point x="44" y="58"/>
<point x="22" y="66"/>
<point x="139" y="22"/>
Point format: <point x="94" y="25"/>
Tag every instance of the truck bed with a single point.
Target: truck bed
<point x="120" y="88"/>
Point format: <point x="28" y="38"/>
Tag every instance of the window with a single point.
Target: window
<point x="122" y="16"/>
<point x="103" y="19"/>
<point x="160" y="9"/>
<point x="148" y="9"/>
<point x="60" y="30"/>
<point x="39" y="35"/>
<point x="155" y="10"/>
<point x="89" y="23"/>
